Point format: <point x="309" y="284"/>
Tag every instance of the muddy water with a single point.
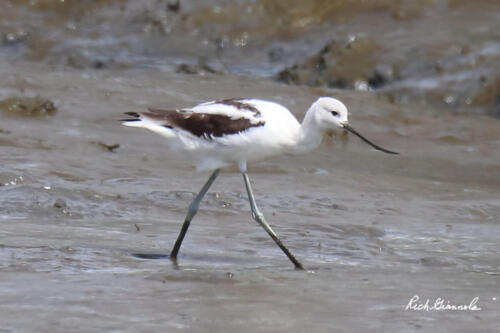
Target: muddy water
<point x="373" y="230"/>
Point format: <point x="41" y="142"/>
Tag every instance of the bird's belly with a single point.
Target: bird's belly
<point x="222" y="156"/>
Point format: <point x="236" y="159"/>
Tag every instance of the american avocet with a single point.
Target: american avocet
<point x="236" y="131"/>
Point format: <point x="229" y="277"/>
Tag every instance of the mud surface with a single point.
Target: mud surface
<point x="442" y="54"/>
<point x="372" y="229"/>
<point x="81" y="196"/>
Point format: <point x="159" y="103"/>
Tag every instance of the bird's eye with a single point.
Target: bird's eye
<point x="334" y="113"/>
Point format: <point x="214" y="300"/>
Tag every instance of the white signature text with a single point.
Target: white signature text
<point x="440" y="304"/>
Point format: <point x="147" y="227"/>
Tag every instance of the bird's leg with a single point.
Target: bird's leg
<point x="193" y="208"/>
<point x="259" y="218"/>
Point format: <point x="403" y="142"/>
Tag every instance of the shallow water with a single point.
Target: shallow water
<point x="372" y="230"/>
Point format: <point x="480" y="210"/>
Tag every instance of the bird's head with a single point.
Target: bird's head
<point x="332" y="114"/>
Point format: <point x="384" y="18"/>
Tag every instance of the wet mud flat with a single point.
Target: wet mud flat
<point x="440" y="52"/>
<point x="81" y="194"/>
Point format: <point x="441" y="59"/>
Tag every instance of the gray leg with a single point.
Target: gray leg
<point x="193" y="208"/>
<point x="259" y="218"/>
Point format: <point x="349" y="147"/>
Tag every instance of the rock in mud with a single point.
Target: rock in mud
<point x="342" y="65"/>
<point x="106" y="147"/>
<point x="174" y="5"/>
<point x="201" y="68"/>
<point x="14" y="37"/>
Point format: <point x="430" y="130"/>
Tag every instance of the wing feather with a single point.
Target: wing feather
<point x="198" y="123"/>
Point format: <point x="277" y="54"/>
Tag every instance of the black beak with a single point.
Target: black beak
<point x="350" y="129"/>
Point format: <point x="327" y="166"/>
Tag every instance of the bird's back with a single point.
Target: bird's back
<point x="225" y="131"/>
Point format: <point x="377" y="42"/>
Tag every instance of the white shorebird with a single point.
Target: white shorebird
<point x="237" y="131"/>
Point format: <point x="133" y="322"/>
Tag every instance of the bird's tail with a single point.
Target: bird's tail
<point x="133" y="122"/>
<point x="142" y="121"/>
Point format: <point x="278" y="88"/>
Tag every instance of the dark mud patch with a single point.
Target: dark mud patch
<point x="28" y="107"/>
<point x="67" y="176"/>
<point x="106" y="147"/>
<point x="488" y="96"/>
<point x="24" y="142"/>
<point x="81" y="61"/>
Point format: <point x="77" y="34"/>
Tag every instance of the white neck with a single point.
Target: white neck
<point x="311" y="134"/>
